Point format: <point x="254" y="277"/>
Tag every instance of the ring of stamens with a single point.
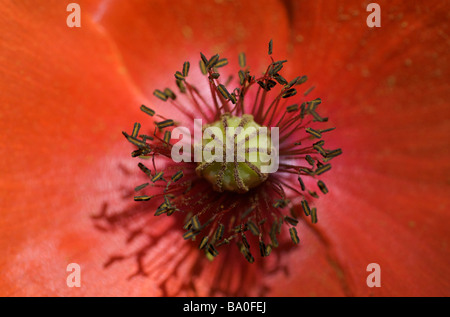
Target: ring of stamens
<point x="215" y="217"/>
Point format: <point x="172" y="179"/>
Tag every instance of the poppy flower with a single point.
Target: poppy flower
<point x="68" y="180"/>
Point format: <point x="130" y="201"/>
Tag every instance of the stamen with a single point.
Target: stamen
<point x="221" y="63"/>
<point x="213" y="251"/>
<point x="213" y="61"/>
<point x="136" y="128"/>
<point x="280" y="79"/>
<point x="169" y="93"/>
<point x="291" y="83"/>
<point x="167" y="135"/>
<point x="314" y="215"/>
<point x="314" y="133"/>
<point x="224" y="91"/>
<point x="242" y="60"/>
<point x="294" y="236"/>
<point x="142" y="198"/>
<point x="177" y="176"/>
<point x="306" y="208"/>
<point x="179" y="76"/>
<point x="322" y="169"/>
<point x="300" y="181"/>
<point x="309" y="91"/>
<point x="204" y="59"/>
<point x="291" y="220"/>
<point x="322" y="187"/>
<point x="333" y="153"/>
<point x="148" y="111"/>
<point x="181" y="86"/>
<point x="203" y="68"/>
<point x="289" y="93"/>
<point x="165" y="124"/>
<point x="158" y="176"/>
<point x="253" y="228"/>
<point x="138" y="188"/>
<point x="292" y="108"/>
<point x="139" y="143"/>
<point x="159" y="94"/>
<point x="145" y="169"/>
<point x="195" y="223"/>
<point x="219" y="232"/>
<point x="186" y="67"/>
<point x="203" y="242"/>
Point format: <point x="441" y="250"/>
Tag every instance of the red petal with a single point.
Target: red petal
<point x="385" y="90"/>
<point x="155" y="38"/>
<point x="65" y="100"/>
<point x="69" y="95"/>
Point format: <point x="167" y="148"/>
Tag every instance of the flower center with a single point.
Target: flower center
<point x="234" y="149"/>
<point x="234" y="155"/>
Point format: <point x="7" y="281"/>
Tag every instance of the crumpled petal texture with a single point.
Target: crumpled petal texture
<point x="68" y="93"/>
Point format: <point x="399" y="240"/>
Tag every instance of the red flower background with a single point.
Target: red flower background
<point x="67" y="93"/>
